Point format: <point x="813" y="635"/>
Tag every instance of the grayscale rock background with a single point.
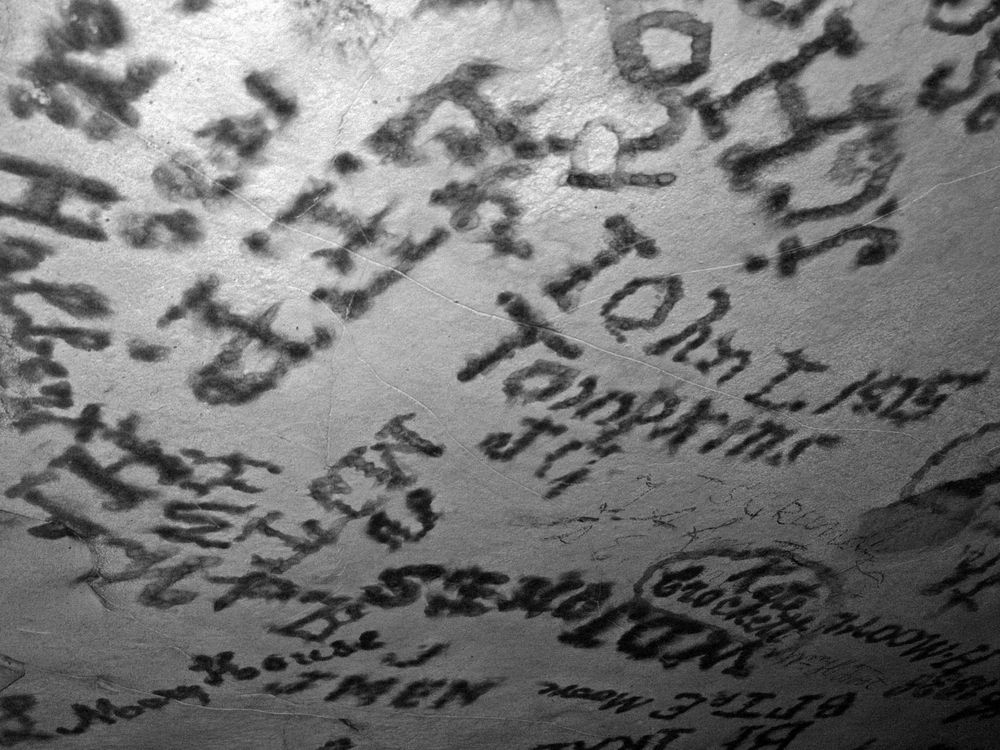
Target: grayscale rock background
<point x="537" y="374"/>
